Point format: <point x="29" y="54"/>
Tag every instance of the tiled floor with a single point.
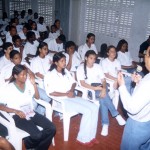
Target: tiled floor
<point x="111" y="142"/>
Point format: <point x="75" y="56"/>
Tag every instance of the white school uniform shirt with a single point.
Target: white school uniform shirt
<point x="94" y="74"/>
<point x="37" y="35"/>
<point x="137" y="104"/>
<point x="41" y="27"/>
<point x="56" y="82"/>
<point x="16" y="99"/>
<point x="30" y="48"/>
<point x="19" y="28"/>
<point x="22" y="35"/>
<point x="1" y="42"/>
<point x="84" y="48"/>
<point x="125" y="58"/>
<point x="9" y="38"/>
<point x="76" y="60"/>
<point x="53" y="35"/>
<point x="52" y="45"/>
<point x="6" y="72"/>
<point x="3" y="62"/>
<point x="22" y="20"/>
<point x="16" y="48"/>
<point x="111" y="67"/>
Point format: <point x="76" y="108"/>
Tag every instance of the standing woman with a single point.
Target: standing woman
<point x="59" y="83"/>
<point x="19" y="105"/>
<point x="137" y="130"/>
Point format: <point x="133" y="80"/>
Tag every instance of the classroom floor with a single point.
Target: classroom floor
<point x="111" y="142"/>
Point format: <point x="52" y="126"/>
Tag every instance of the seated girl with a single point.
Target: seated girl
<point x="73" y="59"/>
<point x="91" y="76"/>
<point x="4" y="60"/>
<point x="59" y="83"/>
<point x="34" y="29"/>
<point x="19" y="105"/>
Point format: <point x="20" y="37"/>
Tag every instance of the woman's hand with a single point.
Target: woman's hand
<point x="115" y="85"/>
<point x="20" y="114"/>
<point x="70" y="94"/>
<point x="121" y="79"/>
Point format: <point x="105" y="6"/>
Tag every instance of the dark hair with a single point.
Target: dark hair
<point x="108" y="49"/>
<point x="57" y="20"/>
<point x="56" y="58"/>
<point x="4" y="16"/>
<point x="62" y="38"/>
<point x="87" y="54"/>
<point x="120" y="43"/>
<point x="13" y="53"/>
<point x="103" y="50"/>
<point x="53" y="26"/>
<point x="15" y="37"/>
<point x="69" y="44"/>
<point x="90" y="35"/>
<point x="6" y="45"/>
<point x="33" y="22"/>
<point x="30" y="34"/>
<point x="17" y="69"/>
<point x="11" y="27"/>
<point x="41" y="45"/>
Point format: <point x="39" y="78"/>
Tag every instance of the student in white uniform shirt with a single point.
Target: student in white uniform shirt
<point x="12" y="32"/>
<point x="36" y="17"/>
<point x="73" y="59"/>
<point x="59" y="30"/>
<point x="20" y="106"/>
<point x="56" y="45"/>
<point x="30" y="47"/>
<point x="136" y="135"/>
<point x="124" y="57"/>
<point x="17" y="42"/>
<point x="53" y="34"/>
<point x="90" y="75"/>
<point x="41" y="63"/>
<point x="89" y="45"/>
<point x="111" y="66"/>
<point x="59" y="83"/>
<point x="41" y="27"/>
<point x="23" y="33"/>
<point x="4" y="60"/>
<point x="34" y="29"/>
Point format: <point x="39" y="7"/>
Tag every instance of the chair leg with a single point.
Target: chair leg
<point x="66" y="124"/>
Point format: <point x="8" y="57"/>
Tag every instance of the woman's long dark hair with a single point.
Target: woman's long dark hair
<point x="16" y="70"/>
<point x="120" y="43"/>
<point x="87" y="54"/>
<point x="56" y="58"/>
<point x="41" y="45"/>
<point x="108" y="49"/>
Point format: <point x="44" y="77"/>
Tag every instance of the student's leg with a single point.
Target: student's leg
<point x="135" y="135"/>
<point x="48" y="131"/>
<point x="28" y="126"/>
<point x="89" y="111"/>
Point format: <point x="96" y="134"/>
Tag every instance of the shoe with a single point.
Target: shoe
<point x="87" y="144"/>
<point x="120" y="120"/>
<point x="95" y="141"/>
<point x="104" y="131"/>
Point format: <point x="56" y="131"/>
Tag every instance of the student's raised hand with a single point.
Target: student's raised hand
<point x="20" y="114"/>
<point x="120" y="79"/>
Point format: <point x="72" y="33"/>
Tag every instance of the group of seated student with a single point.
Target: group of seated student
<point x="37" y="64"/>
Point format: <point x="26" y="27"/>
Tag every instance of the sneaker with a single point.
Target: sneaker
<point x="120" y="120"/>
<point x="104" y="131"/>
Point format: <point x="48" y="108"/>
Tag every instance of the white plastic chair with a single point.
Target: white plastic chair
<point x="15" y="135"/>
<point x="59" y="106"/>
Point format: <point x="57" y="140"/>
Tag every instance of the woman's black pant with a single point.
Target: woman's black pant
<point x="40" y="140"/>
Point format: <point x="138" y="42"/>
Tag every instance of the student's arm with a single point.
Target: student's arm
<point x="110" y="76"/>
<point x="11" y="110"/>
<point x="54" y="52"/>
<point x="69" y="65"/>
<point x="39" y="75"/>
<point x="127" y="67"/>
<point x="88" y="86"/>
<point x="32" y="80"/>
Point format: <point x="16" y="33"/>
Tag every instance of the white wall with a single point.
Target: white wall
<point x="138" y="28"/>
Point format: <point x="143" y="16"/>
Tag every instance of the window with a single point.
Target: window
<point x="19" y="5"/>
<point x="112" y="18"/>
<point x="45" y="9"/>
